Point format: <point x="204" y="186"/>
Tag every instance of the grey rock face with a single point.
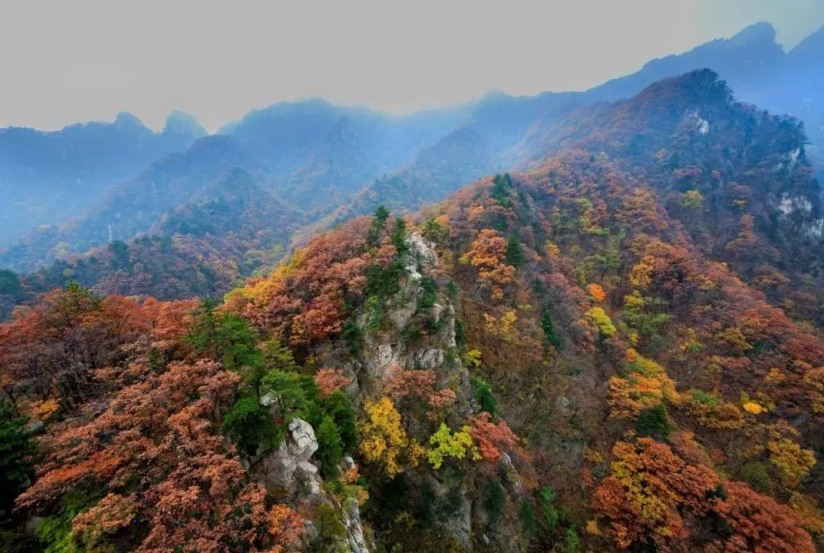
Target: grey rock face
<point x="354" y="530"/>
<point x="288" y="466"/>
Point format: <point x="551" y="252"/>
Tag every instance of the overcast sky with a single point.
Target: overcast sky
<point x="68" y="61"/>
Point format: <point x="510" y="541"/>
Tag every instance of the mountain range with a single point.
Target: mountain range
<point x="93" y="186"/>
<point x="616" y="346"/>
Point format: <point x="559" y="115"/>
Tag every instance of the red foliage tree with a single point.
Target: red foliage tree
<point x="417" y="384"/>
<point x="159" y="440"/>
<point x="493" y="438"/>
<point x="330" y="380"/>
<point x="654" y="497"/>
<point x="56" y="348"/>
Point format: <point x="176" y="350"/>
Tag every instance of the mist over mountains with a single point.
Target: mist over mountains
<point x="46" y="177"/>
<point x="572" y="322"/>
<point x="89" y="185"/>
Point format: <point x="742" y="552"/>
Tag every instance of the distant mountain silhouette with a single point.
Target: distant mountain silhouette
<point x="757" y="68"/>
<point x="329" y="163"/>
<point x="46" y="177"/>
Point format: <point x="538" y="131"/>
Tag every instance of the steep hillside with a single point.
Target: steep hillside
<point x="337" y="162"/>
<point x="293" y="149"/>
<point x="204" y="248"/>
<point x="744" y="59"/>
<point x="553" y="360"/>
<point x="133" y="207"/>
<point x="488" y="141"/>
<point x="311" y="155"/>
<point x="757" y="68"/>
<point x="736" y="177"/>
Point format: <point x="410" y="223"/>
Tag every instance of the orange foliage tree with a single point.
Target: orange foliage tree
<point x="488" y="255"/>
<point x="66" y="346"/>
<point x="305" y="299"/>
<point x="654" y="497"/>
<point x="156" y="454"/>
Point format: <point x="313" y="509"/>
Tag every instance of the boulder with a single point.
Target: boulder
<point x="288" y="467"/>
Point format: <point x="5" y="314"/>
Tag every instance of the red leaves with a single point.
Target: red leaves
<point x="304" y="300"/>
<point x="759" y="523"/>
<point x="112" y="513"/>
<point x="194" y="492"/>
<point x="654" y="495"/>
<point x="419" y="384"/>
<point x="321" y="318"/>
<point x="492" y="439"/>
<point x="330" y="380"/>
<point x="57" y="346"/>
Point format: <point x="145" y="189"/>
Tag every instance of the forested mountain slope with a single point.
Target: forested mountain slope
<point x="551" y="360"/>
<point x="332" y="163"/>
<point x="294" y="149"/>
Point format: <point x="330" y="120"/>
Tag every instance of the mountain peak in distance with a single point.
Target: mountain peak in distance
<point x="182" y="124"/>
<point x="126" y="120"/>
<point x="762" y="31"/>
<point x="811" y="46"/>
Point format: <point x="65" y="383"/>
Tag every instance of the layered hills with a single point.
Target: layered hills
<point x="46" y="177"/>
<point x="330" y="163"/>
<point x="616" y="348"/>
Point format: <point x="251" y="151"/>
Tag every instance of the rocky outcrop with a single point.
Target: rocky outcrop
<point x="354" y="529"/>
<point x="421" y="254"/>
<point x="288" y="468"/>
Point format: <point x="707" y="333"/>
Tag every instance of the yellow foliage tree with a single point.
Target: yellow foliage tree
<point x="646" y="385"/>
<point x="792" y="461"/>
<point x="641" y="274"/>
<point x="601" y="320"/>
<point x="753" y="408"/>
<point x="447" y="444"/>
<point x="383" y="439"/>
<point x="806" y="508"/>
<point x="712" y="411"/>
<point x="814" y="379"/>
<point x="473" y="358"/>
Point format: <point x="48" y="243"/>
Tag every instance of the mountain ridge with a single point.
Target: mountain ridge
<point x="383" y="159"/>
<point x="617" y="348"/>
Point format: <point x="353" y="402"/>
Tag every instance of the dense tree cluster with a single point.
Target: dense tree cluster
<point x="598" y="354"/>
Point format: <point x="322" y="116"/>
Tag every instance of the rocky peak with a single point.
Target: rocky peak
<point x="128" y="121"/>
<point x="757" y="33"/>
<point x="183" y="125"/>
<point x="289" y="469"/>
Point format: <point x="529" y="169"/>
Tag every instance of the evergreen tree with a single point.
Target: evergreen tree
<point x="378" y="224"/>
<point x="15" y="448"/>
<point x="330" y="447"/>
<point x="514" y="255"/>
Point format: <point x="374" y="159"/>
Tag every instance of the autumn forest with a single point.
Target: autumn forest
<point x="613" y="343"/>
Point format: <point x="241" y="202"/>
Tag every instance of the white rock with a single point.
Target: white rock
<point x="303" y="442"/>
<point x="437" y="311"/>
<point x="307" y="474"/>
<point x="429" y="358"/>
<point x="288" y="466"/>
<point x="267" y="399"/>
<point x="422" y="250"/>
<point x="354" y="529"/>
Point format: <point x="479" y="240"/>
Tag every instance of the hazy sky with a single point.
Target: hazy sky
<point x="66" y="61"/>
